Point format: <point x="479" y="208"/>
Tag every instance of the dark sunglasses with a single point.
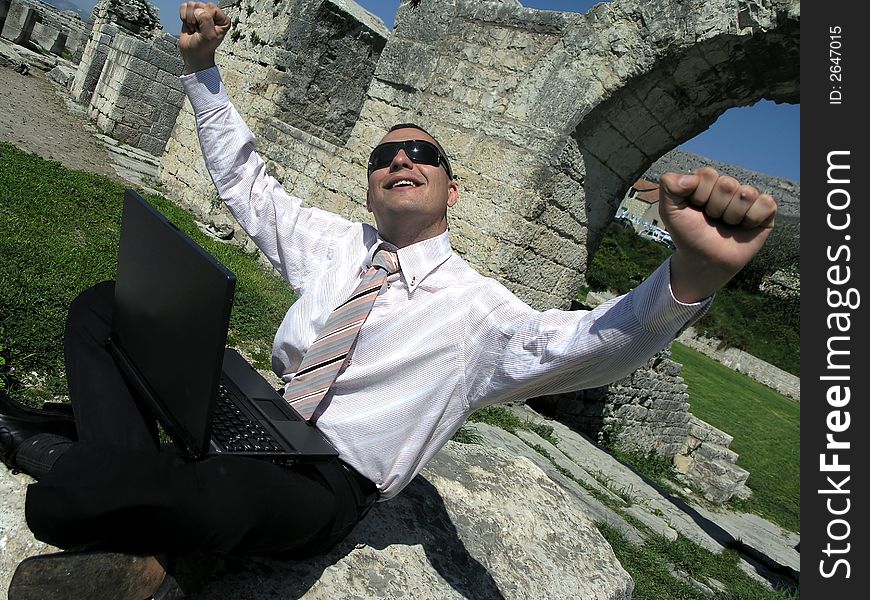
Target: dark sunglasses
<point x="419" y="151"/>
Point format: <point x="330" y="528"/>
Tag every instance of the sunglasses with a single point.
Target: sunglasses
<point x="419" y="151"/>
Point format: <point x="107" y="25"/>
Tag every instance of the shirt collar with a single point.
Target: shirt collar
<point x="418" y="260"/>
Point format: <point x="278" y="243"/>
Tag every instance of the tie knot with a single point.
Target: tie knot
<point x="386" y="260"/>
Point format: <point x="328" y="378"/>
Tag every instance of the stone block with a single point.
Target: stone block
<point x="175" y="98"/>
<point x="19" y="23"/>
<point x="407" y="64"/>
<point x="167" y="62"/>
<point x="151" y="144"/>
<point x="143" y="68"/>
<point x="166" y="43"/>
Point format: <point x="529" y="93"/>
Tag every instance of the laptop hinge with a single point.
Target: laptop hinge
<point x="145" y="393"/>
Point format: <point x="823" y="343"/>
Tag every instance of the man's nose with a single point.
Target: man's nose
<point x="401" y="161"/>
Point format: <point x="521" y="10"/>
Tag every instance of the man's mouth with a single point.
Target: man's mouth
<point x="402" y="183"/>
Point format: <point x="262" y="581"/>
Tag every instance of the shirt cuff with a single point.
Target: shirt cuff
<point x="205" y="89"/>
<point x="656" y="308"/>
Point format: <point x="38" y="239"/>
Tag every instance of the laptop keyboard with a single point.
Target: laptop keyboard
<point x="235" y="431"/>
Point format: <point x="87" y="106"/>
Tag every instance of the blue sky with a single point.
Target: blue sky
<point x="764" y="137"/>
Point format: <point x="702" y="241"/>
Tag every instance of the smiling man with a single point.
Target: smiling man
<point x="410" y="214"/>
<point x="393" y="342"/>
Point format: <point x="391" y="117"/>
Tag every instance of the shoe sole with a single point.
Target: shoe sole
<point x="87" y="576"/>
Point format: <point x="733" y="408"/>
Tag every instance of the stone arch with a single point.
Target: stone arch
<point x="550" y="116"/>
<point x="679" y="98"/>
<point x="547" y="116"/>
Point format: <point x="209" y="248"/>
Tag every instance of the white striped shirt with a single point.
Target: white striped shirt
<point x="441" y="341"/>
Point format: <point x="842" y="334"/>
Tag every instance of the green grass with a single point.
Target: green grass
<point x="649" y="565"/>
<point x="623" y="260"/>
<point x="60" y="236"/>
<point x="766" y="430"/>
<point x="500" y="416"/>
<point x="765" y="326"/>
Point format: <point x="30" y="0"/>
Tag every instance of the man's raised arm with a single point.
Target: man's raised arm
<point x="296" y="239"/>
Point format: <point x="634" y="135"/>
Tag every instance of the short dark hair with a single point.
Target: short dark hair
<point x="415" y="126"/>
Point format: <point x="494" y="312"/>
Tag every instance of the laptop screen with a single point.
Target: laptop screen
<point x="170" y="319"/>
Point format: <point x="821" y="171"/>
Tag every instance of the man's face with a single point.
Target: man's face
<point x="404" y="194"/>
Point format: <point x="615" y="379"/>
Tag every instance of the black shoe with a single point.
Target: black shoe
<point x="15" y="430"/>
<point x="54" y="410"/>
<point x="91" y="576"/>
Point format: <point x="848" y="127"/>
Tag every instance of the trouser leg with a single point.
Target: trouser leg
<point x="146" y="502"/>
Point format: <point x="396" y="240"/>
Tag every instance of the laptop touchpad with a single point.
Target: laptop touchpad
<point x="270" y="410"/>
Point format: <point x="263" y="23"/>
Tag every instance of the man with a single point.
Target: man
<point x="438" y="341"/>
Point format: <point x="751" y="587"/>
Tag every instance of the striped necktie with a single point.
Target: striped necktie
<point x="327" y="353"/>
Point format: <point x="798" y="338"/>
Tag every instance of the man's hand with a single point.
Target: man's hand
<point x="717" y="226"/>
<point x="203" y="27"/>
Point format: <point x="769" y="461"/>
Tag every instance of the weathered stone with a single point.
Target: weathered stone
<point x="16" y="541"/>
<point x="649" y="412"/>
<point x="19" y="23"/>
<point x="135" y="100"/>
<point x="62" y="75"/>
<point x="479" y="522"/>
<point x="136" y="18"/>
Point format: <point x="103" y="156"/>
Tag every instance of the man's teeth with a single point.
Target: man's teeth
<point x="403" y="182"/>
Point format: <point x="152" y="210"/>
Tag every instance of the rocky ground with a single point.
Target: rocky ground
<point x="497" y="520"/>
<point x="33" y="117"/>
<point x="37" y="116"/>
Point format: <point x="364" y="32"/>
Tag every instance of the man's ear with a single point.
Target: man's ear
<point x="452" y="194"/>
<point x="368" y="201"/>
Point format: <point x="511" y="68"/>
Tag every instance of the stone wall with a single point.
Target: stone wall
<point x="110" y="17"/>
<point x="58" y="30"/>
<point x="138" y="95"/>
<point x="648" y="411"/>
<point x="763" y="372"/>
<point x="707" y="463"/>
<point x="19" y="22"/>
<point x="548" y="117"/>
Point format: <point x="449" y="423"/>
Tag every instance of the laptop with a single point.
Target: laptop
<point x="170" y="320"/>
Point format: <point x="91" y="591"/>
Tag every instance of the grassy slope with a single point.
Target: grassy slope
<point x="766" y="430"/>
<point x="61" y="235"/>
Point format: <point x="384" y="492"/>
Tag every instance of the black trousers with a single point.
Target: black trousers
<point x="118" y="489"/>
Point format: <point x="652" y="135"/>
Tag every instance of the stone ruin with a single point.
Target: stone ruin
<point x="548" y="118"/>
<point x="648" y="412"/>
<point x="109" y="20"/>
<point x="128" y="75"/>
<point x="35" y="25"/>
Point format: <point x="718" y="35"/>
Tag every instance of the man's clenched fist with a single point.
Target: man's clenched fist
<point x="717" y="225"/>
<point x="203" y="27"/>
